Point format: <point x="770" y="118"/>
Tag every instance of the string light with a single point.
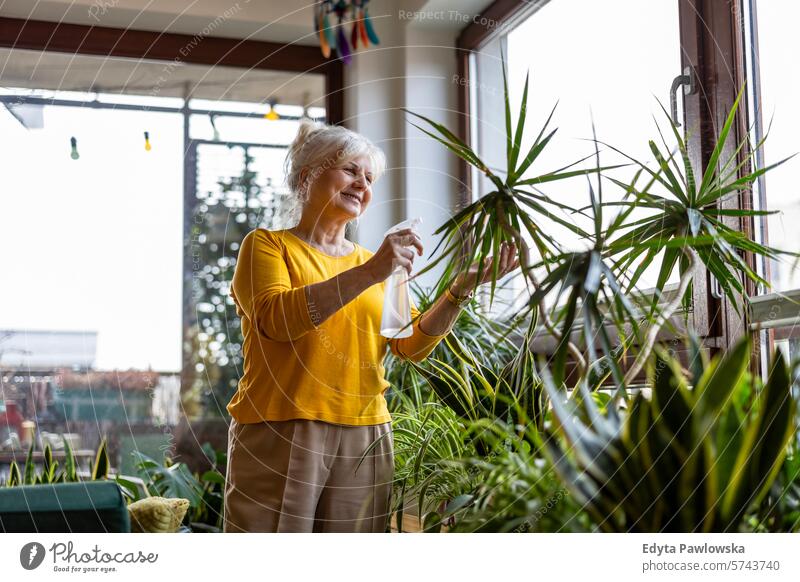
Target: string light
<point x="272" y="115"/>
<point x="147" y="146"/>
<point x="214" y="125"/>
<point x="74" y="144"/>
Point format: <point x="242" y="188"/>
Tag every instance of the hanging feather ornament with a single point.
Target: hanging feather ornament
<point x="354" y="32"/>
<point x="373" y="38"/>
<point x="362" y="30"/>
<point x="319" y="27"/>
<point x="327" y="8"/>
<point x="341" y="40"/>
<point x="334" y="38"/>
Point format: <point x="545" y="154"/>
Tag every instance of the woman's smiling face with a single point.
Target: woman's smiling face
<point x="345" y="190"/>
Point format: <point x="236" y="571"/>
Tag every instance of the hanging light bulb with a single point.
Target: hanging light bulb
<point x="147" y="146"/>
<point x="74" y="143"/>
<point x="272" y="115"/>
<point x="214" y="125"/>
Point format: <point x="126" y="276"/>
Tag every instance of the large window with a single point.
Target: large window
<point x="127" y="186"/>
<point x="595" y="78"/>
<point x="616" y="63"/>
<point x="773" y="94"/>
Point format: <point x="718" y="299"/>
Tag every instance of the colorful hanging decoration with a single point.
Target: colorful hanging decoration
<point x="371" y="34"/>
<point x="334" y="37"/>
<point x="147" y="146"/>
<point x="74" y="145"/>
<point x="341" y="8"/>
<point x="322" y="27"/>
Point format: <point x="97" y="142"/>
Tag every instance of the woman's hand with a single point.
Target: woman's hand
<point x="394" y="253"/>
<point x="465" y="282"/>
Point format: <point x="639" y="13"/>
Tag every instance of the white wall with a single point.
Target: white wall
<point x="414" y="67"/>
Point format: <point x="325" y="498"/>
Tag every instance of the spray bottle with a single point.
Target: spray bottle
<point x="396" y="301"/>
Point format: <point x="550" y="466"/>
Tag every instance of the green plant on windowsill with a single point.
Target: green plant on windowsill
<point x="51" y="473"/>
<point x="488" y="339"/>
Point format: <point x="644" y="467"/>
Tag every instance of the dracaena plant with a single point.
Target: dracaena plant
<point x="588" y="289"/>
<point x="686" y="223"/>
<point x="509" y="211"/>
<point x="685" y="459"/>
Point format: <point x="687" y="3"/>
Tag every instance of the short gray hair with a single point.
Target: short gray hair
<point x="318" y="147"/>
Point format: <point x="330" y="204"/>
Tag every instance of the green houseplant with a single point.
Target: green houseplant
<point x="685" y="459"/>
<point x="607" y="328"/>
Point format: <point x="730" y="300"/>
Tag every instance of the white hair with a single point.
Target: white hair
<point x="316" y="148"/>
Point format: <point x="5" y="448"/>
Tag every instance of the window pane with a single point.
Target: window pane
<point x="779" y="96"/>
<point x="609" y="62"/>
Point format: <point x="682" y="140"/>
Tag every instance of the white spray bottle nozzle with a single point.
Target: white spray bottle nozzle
<point x="411" y="223"/>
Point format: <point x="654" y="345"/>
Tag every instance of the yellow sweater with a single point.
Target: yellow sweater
<point x="293" y="369"/>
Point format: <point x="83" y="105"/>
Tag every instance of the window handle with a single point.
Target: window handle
<point x="716" y="288"/>
<point x="687" y="80"/>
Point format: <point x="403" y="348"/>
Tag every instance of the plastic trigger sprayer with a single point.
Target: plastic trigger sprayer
<point x="396" y="301"/>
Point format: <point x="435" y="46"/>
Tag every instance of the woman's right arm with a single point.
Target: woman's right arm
<point x="262" y="287"/>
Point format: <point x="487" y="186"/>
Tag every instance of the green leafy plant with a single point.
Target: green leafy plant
<point x="686" y="222"/>
<point x="488" y="339"/>
<point x="509" y="211"/>
<point x="516" y="490"/>
<point x="50" y="472"/>
<point x="685" y="460"/>
<point x="426" y="437"/>
<point x="174" y="480"/>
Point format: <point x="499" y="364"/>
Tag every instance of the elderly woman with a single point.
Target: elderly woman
<point x="311" y="398"/>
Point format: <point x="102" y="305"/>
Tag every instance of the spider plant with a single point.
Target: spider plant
<point x="488" y="338"/>
<point x="495" y="389"/>
<point x="685" y="460"/>
<point x="427" y="437"/>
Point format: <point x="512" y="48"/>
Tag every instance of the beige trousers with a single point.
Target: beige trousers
<point x="304" y="476"/>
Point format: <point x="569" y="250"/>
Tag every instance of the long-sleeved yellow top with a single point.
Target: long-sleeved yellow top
<point x="294" y="369"/>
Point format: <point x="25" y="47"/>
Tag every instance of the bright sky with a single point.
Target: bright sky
<point x="779" y="45"/>
<point x="612" y="64"/>
<point x="96" y="243"/>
